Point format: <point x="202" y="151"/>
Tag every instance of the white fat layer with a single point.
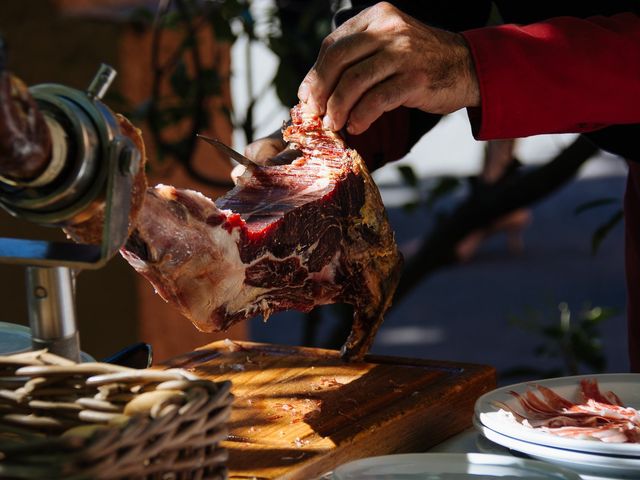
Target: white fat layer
<point x="134" y="261"/>
<point x="231" y="292"/>
<point x="232" y="288"/>
<point x="226" y="280"/>
<point x="296" y="254"/>
<point x="166" y="191"/>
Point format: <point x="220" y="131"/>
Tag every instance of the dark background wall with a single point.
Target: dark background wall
<point x="46" y="46"/>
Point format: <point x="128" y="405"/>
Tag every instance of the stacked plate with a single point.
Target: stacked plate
<point x="620" y="460"/>
<point x="450" y="466"/>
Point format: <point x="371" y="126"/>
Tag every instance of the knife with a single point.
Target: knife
<point x="238" y="157"/>
<point x="283" y="158"/>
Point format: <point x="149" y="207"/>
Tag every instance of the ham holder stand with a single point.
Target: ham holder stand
<point x="92" y="163"/>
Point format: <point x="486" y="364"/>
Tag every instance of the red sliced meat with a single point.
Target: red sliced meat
<point x="600" y="416"/>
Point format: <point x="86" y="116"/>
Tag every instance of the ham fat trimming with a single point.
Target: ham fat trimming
<point x="293" y="236"/>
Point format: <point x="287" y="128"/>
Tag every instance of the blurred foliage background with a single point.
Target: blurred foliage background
<point x="189" y="93"/>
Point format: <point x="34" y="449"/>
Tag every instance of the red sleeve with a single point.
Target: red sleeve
<point x="562" y="75"/>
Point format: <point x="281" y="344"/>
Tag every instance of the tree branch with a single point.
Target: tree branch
<point x="185" y="153"/>
<point x="487" y="205"/>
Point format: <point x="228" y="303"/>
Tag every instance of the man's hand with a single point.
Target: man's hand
<point x="270" y="150"/>
<point x="382" y="59"/>
<point x="263" y="149"/>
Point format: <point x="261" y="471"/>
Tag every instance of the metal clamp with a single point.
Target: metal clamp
<point x="99" y="166"/>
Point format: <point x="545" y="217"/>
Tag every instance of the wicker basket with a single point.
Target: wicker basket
<point x="59" y="419"/>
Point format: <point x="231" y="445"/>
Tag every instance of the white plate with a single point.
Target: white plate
<point x="16" y="338"/>
<point x="625" y="385"/>
<point x="589" y="463"/>
<point x="484" y="445"/>
<point x="449" y="466"/>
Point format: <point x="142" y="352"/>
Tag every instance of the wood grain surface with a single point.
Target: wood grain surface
<point x="300" y="412"/>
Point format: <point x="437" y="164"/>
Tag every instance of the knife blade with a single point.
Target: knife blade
<point x="283" y="158"/>
<point x="230" y="152"/>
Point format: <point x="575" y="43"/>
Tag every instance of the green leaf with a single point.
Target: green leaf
<point x="599" y="314"/>
<point x="595" y="203"/>
<point x="323" y="28"/>
<point x="603" y="230"/>
<point x="576" y="343"/>
<point x="408" y="175"/>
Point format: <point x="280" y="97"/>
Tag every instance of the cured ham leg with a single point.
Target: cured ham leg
<point x="25" y="145"/>
<point x="286" y="237"/>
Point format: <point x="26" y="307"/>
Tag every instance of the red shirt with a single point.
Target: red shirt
<point x="560" y="75"/>
<point x="564" y="74"/>
<point x="567" y="74"/>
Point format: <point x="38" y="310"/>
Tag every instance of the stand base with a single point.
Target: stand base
<point x="68" y="347"/>
<point x="16" y="338"/>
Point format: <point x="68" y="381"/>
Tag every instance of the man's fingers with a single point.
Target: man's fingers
<point x="383" y="97"/>
<point x="263" y="149"/>
<point x="353" y="83"/>
<point x="314" y="88"/>
<point x="324" y="75"/>
<point x="355" y="24"/>
<point x="357" y="38"/>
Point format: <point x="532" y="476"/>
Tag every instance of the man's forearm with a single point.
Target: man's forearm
<point x="562" y="75"/>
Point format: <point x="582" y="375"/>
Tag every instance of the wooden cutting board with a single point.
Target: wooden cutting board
<point x="300" y="412"/>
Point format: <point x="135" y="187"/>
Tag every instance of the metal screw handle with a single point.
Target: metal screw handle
<point x="101" y="82"/>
